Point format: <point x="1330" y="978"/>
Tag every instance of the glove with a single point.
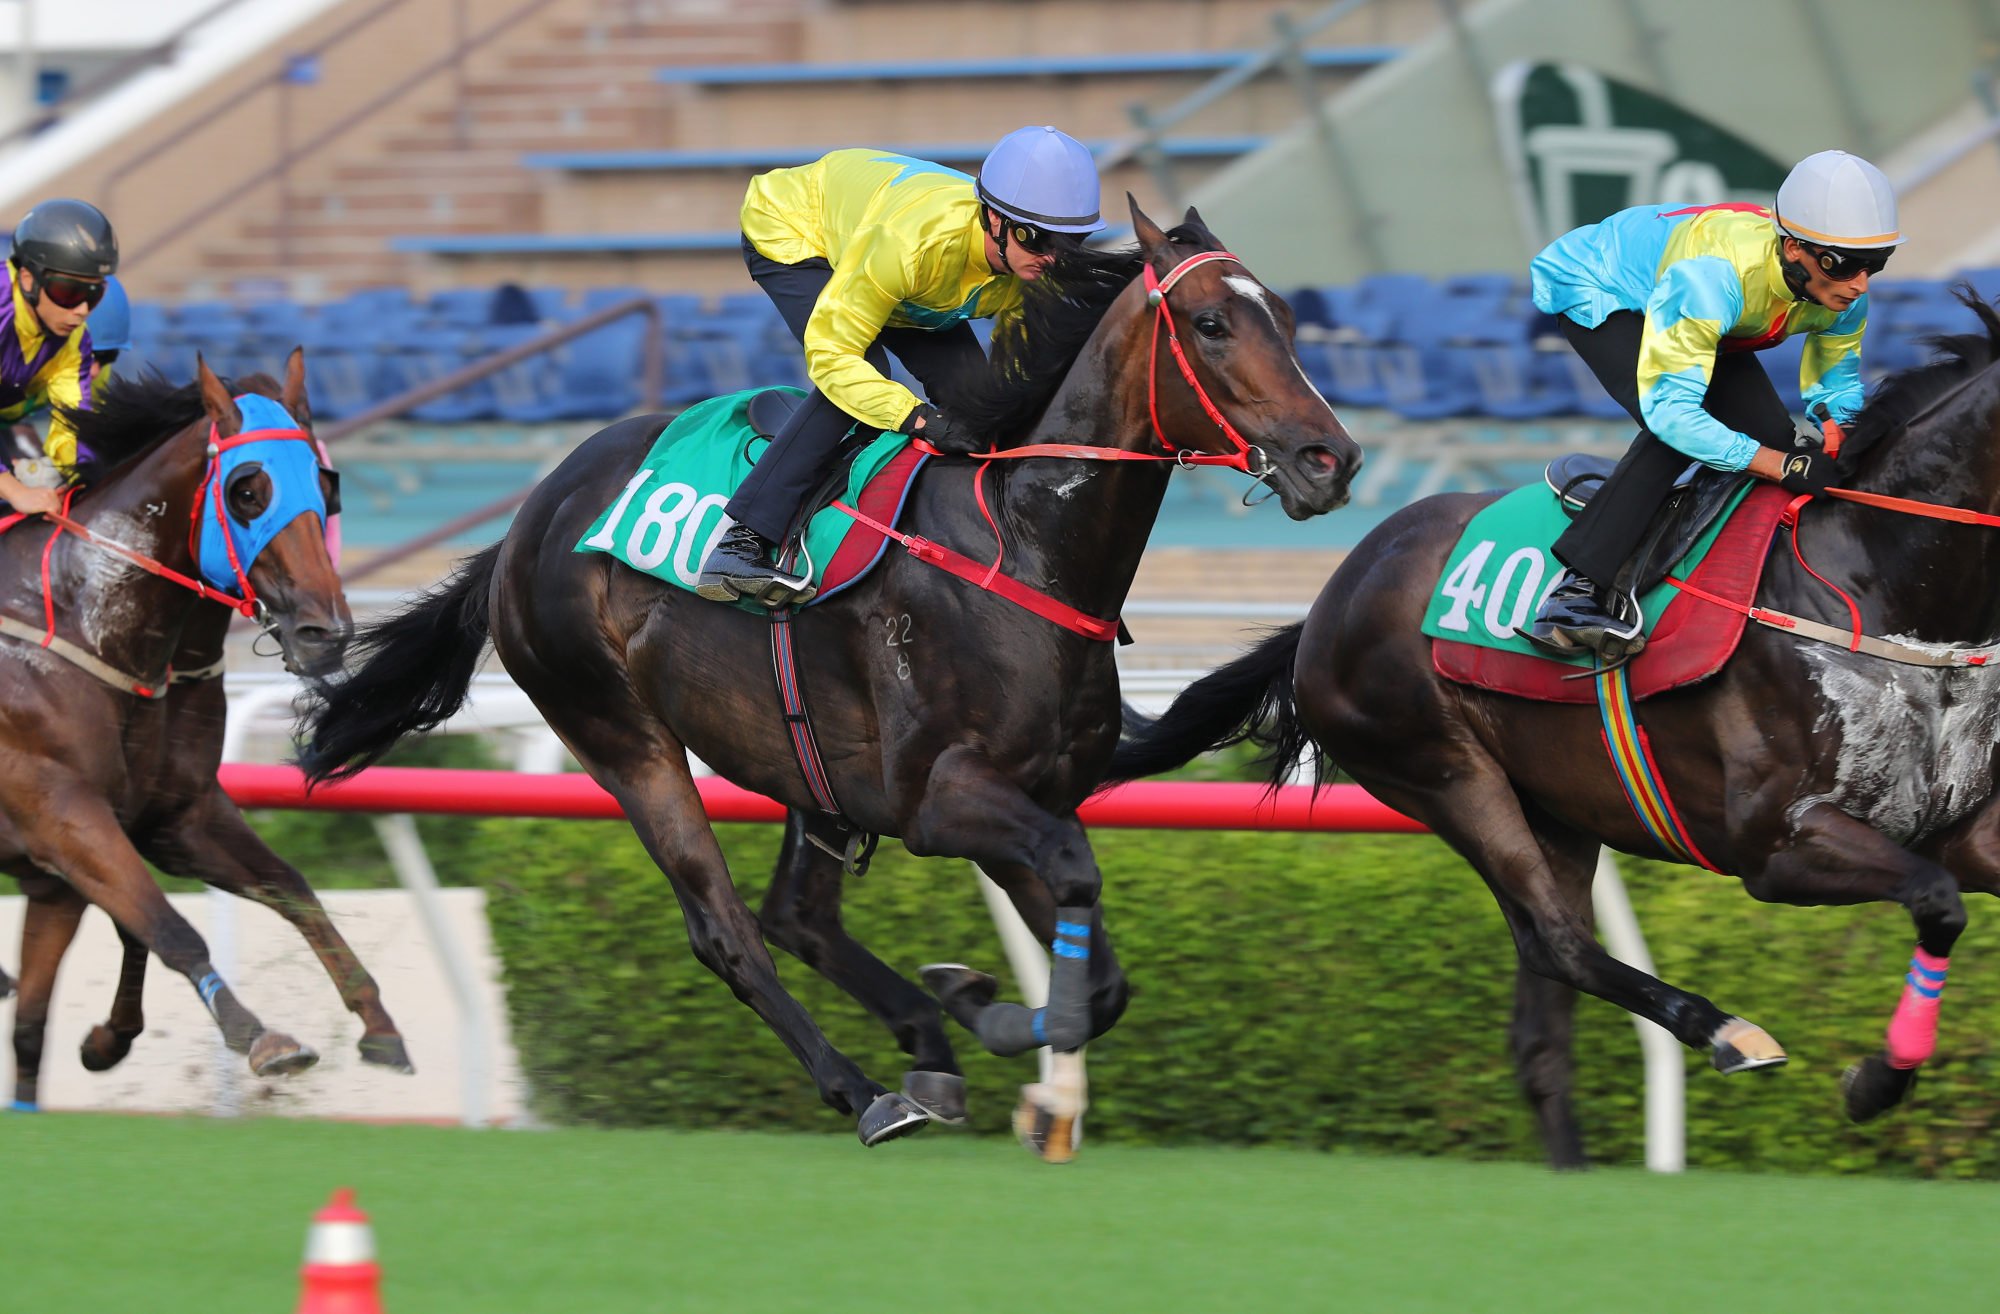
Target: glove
<point x="939" y="430"/>
<point x="1809" y="473"/>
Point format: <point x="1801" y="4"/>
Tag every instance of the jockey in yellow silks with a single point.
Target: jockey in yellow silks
<point x="865" y="251"/>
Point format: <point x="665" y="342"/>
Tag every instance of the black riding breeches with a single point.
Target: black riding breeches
<point x="802" y="451"/>
<point x="1612" y="525"/>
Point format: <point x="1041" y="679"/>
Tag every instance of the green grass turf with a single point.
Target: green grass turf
<point x="170" y="1215"/>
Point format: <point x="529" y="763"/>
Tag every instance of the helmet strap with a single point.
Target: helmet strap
<point x="1795" y="273"/>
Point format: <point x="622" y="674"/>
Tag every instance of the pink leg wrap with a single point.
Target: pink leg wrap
<point x="1913" y="1030"/>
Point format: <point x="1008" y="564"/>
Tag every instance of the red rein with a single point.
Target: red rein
<point x="987" y="575"/>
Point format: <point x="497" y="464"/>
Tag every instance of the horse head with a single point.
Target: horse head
<point x="261" y="515"/>
<point x="1225" y="376"/>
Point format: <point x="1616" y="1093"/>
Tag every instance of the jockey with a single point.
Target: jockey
<point x="63" y="253"/>
<point x="1665" y="304"/>
<point x="110" y="330"/>
<point x="864" y="250"/>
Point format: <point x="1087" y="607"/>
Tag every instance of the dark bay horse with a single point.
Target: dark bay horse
<point x="98" y="780"/>
<point x="948" y="717"/>
<point x="1815" y="774"/>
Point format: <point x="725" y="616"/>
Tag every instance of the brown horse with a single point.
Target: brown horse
<point x="947" y="716"/>
<point x="112" y="752"/>
<point x="1815" y="774"/>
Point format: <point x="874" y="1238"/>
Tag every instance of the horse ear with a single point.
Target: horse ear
<point x="293" y="395"/>
<point x="1152" y="242"/>
<point x="1192" y="219"/>
<point x="215" y="399"/>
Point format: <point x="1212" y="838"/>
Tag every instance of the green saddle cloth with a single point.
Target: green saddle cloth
<point x="670" y="513"/>
<point x="1502" y="569"/>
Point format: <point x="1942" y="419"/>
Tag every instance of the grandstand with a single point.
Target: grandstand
<point x="409" y="187"/>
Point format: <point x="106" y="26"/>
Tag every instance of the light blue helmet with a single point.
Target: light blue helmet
<point x="110" y="325"/>
<point x="1043" y="177"/>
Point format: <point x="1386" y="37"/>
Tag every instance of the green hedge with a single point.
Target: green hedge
<point x="1320" y="991"/>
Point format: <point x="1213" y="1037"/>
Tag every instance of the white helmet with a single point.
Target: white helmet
<point x="1836" y="199"/>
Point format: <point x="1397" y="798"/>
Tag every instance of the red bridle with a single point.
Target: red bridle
<point x="986" y="575"/>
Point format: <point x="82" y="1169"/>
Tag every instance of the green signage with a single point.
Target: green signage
<point x="1581" y="145"/>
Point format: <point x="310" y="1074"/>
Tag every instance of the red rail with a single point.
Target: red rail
<point x="1146" y="805"/>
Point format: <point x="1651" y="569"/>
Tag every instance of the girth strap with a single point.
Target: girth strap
<point x="85" y="660"/>
<point x="785" y="666"/>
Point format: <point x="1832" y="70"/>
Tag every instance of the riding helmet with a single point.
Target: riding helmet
<point x="67" y="237"/>
<point x="1838" y="200"/>
<point x="1043" y="177"/>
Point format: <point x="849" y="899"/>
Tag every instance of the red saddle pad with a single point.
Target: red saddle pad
<point x="883" y="498"/>
<point x="1691" y="642"/>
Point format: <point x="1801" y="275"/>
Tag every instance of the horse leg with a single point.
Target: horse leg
<point x="211" y="842"/>
<point x="972" y="811"/>
<point x="1049" y="1118"/>
<point x="801" y="915"/>
<point x="1835" y="859"/>
<point x="1547" y="907"/>
<point x="75" y="832"/>
<point x="47" y="929"/>
<point x="660" y="799"/>
<point x="111" y="1040"/>
<point x="1544" y="1063"/>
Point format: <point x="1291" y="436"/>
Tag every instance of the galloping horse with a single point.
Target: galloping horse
<point x="1815" y="774"/>
<point x="948" y="716"/>
<point x="114" y="732"/>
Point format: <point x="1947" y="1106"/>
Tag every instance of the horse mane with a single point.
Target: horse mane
<point x="1033" y="353"/>
<point x="135" y="413"/>
<point x="1904" y="395"/>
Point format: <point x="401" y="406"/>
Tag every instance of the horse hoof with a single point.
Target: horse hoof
<point x="386" y="1051"/>
<point x="104" y="1049"/>
<point x="963" y="992"/>
<point x="1873" y="1088"/>
<point x="1743" y="1046"/>
<point x="942" y="1095"/>
<point x="275" y="1054"/>
<point x="890" y="1116"/>
<point x="1054" y="1137"/>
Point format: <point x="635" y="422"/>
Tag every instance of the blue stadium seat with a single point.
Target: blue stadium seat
<point x="1519" y="382"/>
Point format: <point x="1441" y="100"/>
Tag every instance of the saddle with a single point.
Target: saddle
<point x="766" y="414"/>
<point x="1699" y="495"/>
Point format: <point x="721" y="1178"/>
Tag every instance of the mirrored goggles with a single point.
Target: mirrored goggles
<point x="69" y="291"/>
<point x="1840" y="265"/>
<point x="1036" y="241"/>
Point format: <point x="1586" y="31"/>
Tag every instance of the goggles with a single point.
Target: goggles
<point x="68" y="291"/>
<point x="1842" y="266"/>
<point x="1035" y="241"/>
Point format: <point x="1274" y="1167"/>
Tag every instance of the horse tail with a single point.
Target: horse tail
<point x="1249" y="699"/>
<point x="416" y="667"/>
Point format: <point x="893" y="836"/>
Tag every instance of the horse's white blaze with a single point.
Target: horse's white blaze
<point x="1916" y="743"/>
<point x="1252" y="289"/>
<point x="1257" y="292"/>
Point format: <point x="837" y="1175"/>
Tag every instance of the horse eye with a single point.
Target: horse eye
<point x="1210" y="326"/>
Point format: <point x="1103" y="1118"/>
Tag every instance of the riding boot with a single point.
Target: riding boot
<point x="1581" y="616"/>
<point x="741" y="566"/>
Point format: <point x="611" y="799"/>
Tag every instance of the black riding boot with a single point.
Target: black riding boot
<point x="1581" y="616"/>
<point x="740" y="566"/>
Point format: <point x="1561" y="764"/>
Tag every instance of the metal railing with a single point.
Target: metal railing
<point x="652" y="381"/>
<point x="1283" y="55"/>
<point x="283" y="82"/>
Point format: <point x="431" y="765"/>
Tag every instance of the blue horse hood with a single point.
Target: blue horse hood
<point x="273" y="441"/>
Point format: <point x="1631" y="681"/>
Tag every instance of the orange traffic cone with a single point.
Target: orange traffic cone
<point x="340" y="1275"/>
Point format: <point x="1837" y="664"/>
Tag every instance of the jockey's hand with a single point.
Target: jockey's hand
<point x="38" y="501"/>
<point x="1808" y="473"/>
<point x="940" y="431"/>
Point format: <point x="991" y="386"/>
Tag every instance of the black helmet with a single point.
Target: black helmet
<point x="67" y="237"/>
